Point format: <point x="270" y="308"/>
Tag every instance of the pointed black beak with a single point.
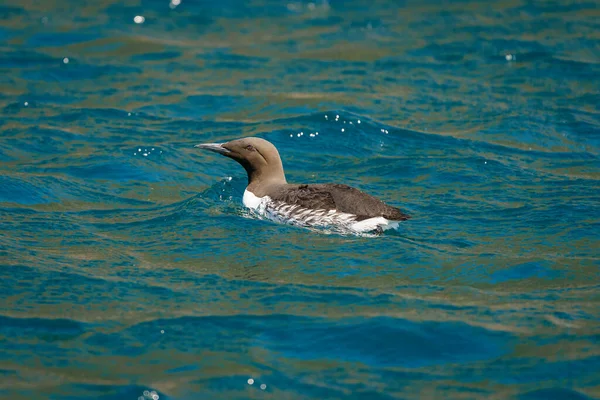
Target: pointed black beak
<point x="216" y="147"/>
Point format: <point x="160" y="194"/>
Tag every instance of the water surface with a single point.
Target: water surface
<point x="128" y="264"/>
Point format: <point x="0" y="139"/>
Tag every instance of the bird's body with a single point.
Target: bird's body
<point x="320" y="205"/>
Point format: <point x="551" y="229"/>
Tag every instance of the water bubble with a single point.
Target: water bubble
<point x="153" y="149"/>
<point x="135" y="154"/>
<point x="26" y="104"/>
<point x="162" y="331"/>
<point x="66" y="60"/>
<point x="298" y="135"/>
<point x="510" y="57"/>
<point x="146" y="393"/>
<point x="263" y="386"/>
<point x="174" y="3"/>
<point x="138" y="19"/>
<point x="250" y="381"/>
<point x="291" y="135"/>
<point x="358" y="121"/>
<point x="129" y="114"/>
<point x="139" y="149"/>
<point x="326" y="117"/>
<point x="145" y="154"/>
<point x="342" y="129"/>
<point x="293" y="7"/>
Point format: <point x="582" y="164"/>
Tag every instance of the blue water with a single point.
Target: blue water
<point x="129" y="268"/>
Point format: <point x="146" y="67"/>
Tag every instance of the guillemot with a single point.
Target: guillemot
<point x="320" y="205"/>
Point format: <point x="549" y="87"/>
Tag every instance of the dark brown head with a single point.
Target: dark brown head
<point x="259" y="158"/>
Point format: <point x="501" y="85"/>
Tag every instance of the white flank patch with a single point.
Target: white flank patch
<point x="367" y="225"/>
<point x="296" y="215"/>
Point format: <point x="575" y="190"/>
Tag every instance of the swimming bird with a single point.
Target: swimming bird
<point x="268" y="193"/>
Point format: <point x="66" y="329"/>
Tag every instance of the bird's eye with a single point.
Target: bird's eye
<point x="249" y="147"/>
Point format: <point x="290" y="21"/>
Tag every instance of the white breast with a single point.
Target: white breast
<point x="253" y="202"/>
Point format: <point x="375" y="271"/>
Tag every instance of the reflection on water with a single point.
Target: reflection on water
<point x="129" y="265"/>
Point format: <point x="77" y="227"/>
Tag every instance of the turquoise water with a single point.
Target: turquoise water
<point x="130" y="269"/>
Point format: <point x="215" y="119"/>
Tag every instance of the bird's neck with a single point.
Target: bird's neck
<point x="260" y="180"/>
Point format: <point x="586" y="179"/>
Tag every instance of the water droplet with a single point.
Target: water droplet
<point x="129" y="114"/>
<point x="26" y="104"/>
<point x="138" y="19"/>
<point x="291" y="135"/>
<point x="316" y="133"/>
<point x="358" y="121"/>
<point x="342" y="129"/>
<point x="140" y="149"/>
<point x="135" y="154"/>
<point x="162" y="331"/>
<point x="145" y="154"/>
<point x="146" y="393"/>
<point x="509" y="57"/>
<point x="153" y="149"/>
<point x="263" y="386"/>
<point x="326" y="117"/>
<point x="66" y="60"/>
<point x="250" y="381"/>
